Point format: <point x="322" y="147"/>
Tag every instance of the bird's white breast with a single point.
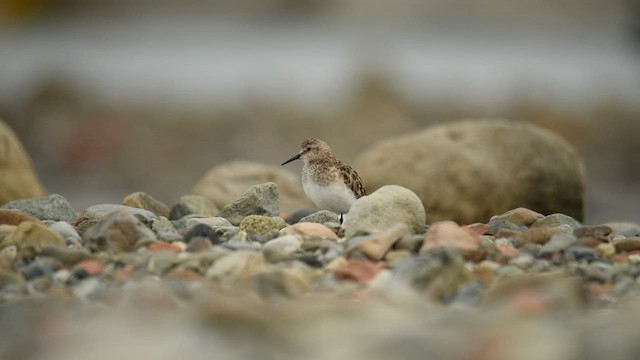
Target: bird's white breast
<point x="334" y="197"/>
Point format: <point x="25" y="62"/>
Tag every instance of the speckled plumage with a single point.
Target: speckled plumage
<point x="327" y="181"/>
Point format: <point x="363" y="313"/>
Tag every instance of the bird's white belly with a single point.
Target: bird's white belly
<point x="334" y="197"/>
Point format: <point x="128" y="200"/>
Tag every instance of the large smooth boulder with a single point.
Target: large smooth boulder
<point x="470" y="170"/>
<point x="227" y="182"/>
<point x="18" y="179"/>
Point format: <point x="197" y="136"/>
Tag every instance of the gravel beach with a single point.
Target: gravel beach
<point x="118" y="281"/>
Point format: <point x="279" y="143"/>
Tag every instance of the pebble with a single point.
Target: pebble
<point x="15" y="217"/>
<point x="627" y="243"/>
<point x="164" y="229"/>
<point x="450" y="234"/>
<point x="520" y="216"/>
<point x="260" y="224"/>
<point x="68" y="256"/>
<point x="310" y="231"/>
<point x="98" y="212"/>
<point x="358" y="270"/>
<point x="558" y="242"/>
<point x="310" y="283"/>
<point x="496" y="225"/>
<point x="261" y="199"/>
<point x="193" y="204"/>
<point x="385" y="207"/>
<point x="67" y="231"/>
<point x="376" y="246"/>
<point x="30" y="237"/>
<point x="53" y="207"/>
<point x="555" y="220"/>
<point x="282" y="248"/>
<point x="202" y="231"/>
<point x="142" y="200"/>
<point x="119" y="231"/>
<point x="321" y="217"/>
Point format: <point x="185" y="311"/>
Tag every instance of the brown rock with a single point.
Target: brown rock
<point x="358" y="270"/>
<point x="377" y="245"/>
<point x="15" y="217"/>
<point x="227" y="182"/>
<point x="308" y="231"/>
<point x="18" y="179"/>
<point x="592" y="236"/>
<point x="627" y="244"/>
<point x="450" y="234"/>
<point x="538" y="235"/>
<point x="145" y="201"/>
<point x="455" y="167"/>
<point x="519" y="216"/>
<point x="477" y="228"/>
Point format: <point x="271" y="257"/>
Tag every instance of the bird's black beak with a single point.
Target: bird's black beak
<point x="292" y="159"/>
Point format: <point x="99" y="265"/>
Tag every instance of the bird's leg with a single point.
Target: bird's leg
<point x="340" y="218"/>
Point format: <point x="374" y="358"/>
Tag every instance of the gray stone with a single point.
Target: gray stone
<point x="97" y="212"/>
<point x="496" y="224"/>
<point x="384" y="208"/>
<point x="261" y="199"/>
<point x="627" y="229"/>
<point x="118" y="231"/>
<point x="321" y="217"/>
<point x="66" y="255"/>
<point x="53" y="207"/>
<point x="193" y="204"/>
<point x="67" y="231"/>
<point x="213" y="222"/>
<point x="558" y="242"/>
<point x="145" y="201"/>
<point x="282" y="248"/>
<point x="557" y="220"/>
<point x="455" y="167"/>
<point x="439" y="273"/>
<point x="227" y="182"/>
<point x="164" y="230"/>
<point x="580" y="253"/>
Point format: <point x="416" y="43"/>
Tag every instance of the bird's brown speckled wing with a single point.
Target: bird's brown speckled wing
<point x="352" y="180"/>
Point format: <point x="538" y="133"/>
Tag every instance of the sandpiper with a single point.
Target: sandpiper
<point x="327" y="181"/>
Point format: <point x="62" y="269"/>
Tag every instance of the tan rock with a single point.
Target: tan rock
<point x="454" y="168"/>
<point x="519" y="216"/>
<point x="376" y="246"/>
<point x="308" y="231"/>
<point x="31" y="237"/>
<point x="18" y="179"/>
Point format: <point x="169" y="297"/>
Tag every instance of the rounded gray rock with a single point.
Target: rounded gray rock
<point x="53" y="207"/>
<point x="387" y="206"/>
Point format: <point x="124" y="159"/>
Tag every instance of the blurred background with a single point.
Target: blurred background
<point x="112" y="97"/>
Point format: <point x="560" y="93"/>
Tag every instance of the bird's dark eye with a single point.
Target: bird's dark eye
<point x="309" y="148"/>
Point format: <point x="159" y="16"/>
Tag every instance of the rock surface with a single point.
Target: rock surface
<point x="383" y="208"/>
<point x="261" y="199"/>
<point x="227" y="182"/>
<point x="145" y="201"/>
<point x="193" y="204"/>
<point x="18" y="179"/>
<point x="119" y="231"/>
<point x="53" y="207"/>
<point x="455" y="167"/>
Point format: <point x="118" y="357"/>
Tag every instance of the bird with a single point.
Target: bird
<point x="331" y="184"/>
